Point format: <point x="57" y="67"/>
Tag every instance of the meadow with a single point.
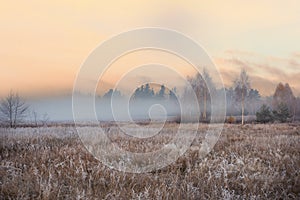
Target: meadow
<point x="254" y="161"/>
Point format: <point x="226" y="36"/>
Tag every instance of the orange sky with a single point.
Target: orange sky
<point x="44" y="43"/>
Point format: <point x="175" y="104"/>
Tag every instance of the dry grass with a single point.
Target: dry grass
<point x="248" y="162"/>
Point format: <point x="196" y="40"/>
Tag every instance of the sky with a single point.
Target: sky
<point x="44" y="43"/>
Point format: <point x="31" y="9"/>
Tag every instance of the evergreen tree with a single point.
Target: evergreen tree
<point x="172" y="94"/>
<point x="282" y="113"/>
<point x="161" y="93"/>
<point x="152" y="93"/>
<point x="147" y="91"/>
<point x="108" y="95"/>
<point x="264" y="114"/>
<point x="137" y="93"/>
<point x="284" y="95"/>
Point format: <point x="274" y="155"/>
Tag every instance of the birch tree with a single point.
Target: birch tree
<point x="242" y="86"/>
<point x="203" y="86"/>
<point x="208" y="88"/>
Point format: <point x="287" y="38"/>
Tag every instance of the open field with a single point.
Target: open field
<point x="248" y="162"/>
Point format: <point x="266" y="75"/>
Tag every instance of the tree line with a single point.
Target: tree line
<point x="242" y="101"/>
<point x="145" y="92"/>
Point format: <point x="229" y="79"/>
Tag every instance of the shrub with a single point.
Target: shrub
<point x="231" y="120"/>
<point x="264" y="115"/>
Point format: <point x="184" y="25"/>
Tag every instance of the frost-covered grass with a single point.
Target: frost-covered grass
<point x="248" y="162"/>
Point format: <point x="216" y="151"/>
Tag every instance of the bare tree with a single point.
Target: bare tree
<point x="39" y="120"/>
<point x="45" y="119"/>
<point x="35" y="118"/>
<point x="13" y="109"/>
<point x="203" y="86"/>
<point x="208" y="88"/>
<point x="189" y="111"/>
<point x="242" y="86"/>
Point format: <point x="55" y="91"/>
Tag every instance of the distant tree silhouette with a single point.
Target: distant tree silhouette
<point x="284" y="95"/>
<point x="253" y="101"/>
<point x="161" y="93"/>
<point x="173" y="99"/>
<point x="144" y="92"/>
<point x="39" y="120"/>
<point x="108" y="95"/>
<point x="208" y="88"/>
<point x="45" y="118"/>
<point x="231" y="109"/>
<point x="148" y="92"/>
<point x="188" y="94"/>
<point x="152" y="93"/>
<point x="172" y="94"/>
<point x="141" y="92"/>
<point x="35" y="117"/>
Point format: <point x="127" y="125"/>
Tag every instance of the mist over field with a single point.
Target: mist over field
<point x="60" y="109"/>
<point x="57" y="108"/>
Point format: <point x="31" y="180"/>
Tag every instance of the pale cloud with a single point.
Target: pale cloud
<point x="235" y="52"/>
<point x="268" y="85"/>
<point x="265" y="71"/>
<point x="296" y="54"/>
